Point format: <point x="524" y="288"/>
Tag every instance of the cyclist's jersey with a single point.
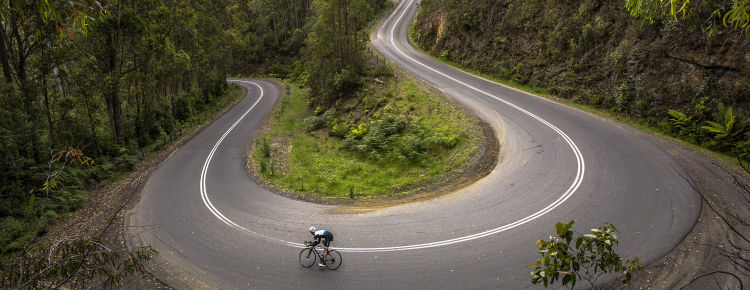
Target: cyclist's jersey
<point x="326" y="235"/>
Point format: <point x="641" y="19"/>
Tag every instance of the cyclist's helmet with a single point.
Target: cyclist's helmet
<point x="312" y="229"/>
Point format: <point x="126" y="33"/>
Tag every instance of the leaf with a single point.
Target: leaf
<point x="32" y="200"/>
<point x="566" y="279"/>
<point x="561" y="229"/>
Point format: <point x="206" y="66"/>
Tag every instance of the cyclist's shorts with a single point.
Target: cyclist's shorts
<point x="327" y="239"/>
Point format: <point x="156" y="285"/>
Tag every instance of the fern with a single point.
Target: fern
<point x="724" y="125"/>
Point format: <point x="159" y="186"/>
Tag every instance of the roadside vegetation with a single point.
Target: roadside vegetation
<point x="67" y="83"/>
<point x="392" y="138"/>
<point x="351" y="127"/>
<point x="667" y="71"/>
<point x="592" y="256"/>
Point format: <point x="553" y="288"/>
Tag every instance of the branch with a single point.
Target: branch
<point x="695" y="188"/>
<point x="111" y="221"/>
<point x="714" y="273"/>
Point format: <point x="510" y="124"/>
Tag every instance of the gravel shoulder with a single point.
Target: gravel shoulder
<point x="700" y="252"/>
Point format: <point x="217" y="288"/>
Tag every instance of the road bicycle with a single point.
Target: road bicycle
<point x="308" y="256"/>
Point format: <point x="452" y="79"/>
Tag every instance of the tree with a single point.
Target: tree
<point x="592" y="256"/>
<point x="335" y="46"/>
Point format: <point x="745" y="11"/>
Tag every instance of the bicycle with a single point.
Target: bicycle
<point x="309" y="254"/>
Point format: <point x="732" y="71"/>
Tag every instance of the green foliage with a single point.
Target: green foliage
<point x="265" y="149"/>
<point x="119" y="100"/>
<point x="734" y="14"/>
<point x="391" y="137"/>
<point x="724" y="125"/>
<point x="445" y="54"/>
<point x="359" y="131"/>
<point x="724" y="133"/>
<point x="335" y="49"/>
<point x="591" y="256"/>
<point x="313" y="123"/>
<point x="655" y="9"/>
<point x="378" y="150"/>
<point x="682" y="125"/>
<point x="339" y="129"/>
<point x="622" y="101"/>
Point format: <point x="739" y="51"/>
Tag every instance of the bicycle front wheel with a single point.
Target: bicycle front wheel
<point x="333" y="261"/>
<point x="307" y="257"/>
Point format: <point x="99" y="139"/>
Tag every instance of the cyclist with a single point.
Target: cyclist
<point x="326" y="236"/>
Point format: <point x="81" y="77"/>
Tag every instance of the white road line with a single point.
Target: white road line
<point x="204" y="192"/>
<point x="567" y="194"/>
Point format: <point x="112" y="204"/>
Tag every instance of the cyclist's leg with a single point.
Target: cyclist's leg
<point x="326" y="242"/>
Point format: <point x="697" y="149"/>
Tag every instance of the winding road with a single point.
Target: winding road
<point x="215" y="228"/>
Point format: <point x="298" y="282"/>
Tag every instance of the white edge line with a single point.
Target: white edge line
<point x="568" y="193"/>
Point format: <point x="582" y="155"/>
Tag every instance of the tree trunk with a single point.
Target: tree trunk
<point x="116" y="110"/>
<point x="48" y="111"/>
<point x="92" y="126"/>
<point x="5" y="56"/>
<point x="113" y="96"/>
<point x="21" y="65"/>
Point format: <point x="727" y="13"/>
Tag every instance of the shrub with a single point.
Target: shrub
<point x="445" y="54"/>
<point x="265" y="149"/>
<point x="339" y="129"/>
<point x="591" y="256"/>
<point x="412" y="148"/>
<point x="682" y="125"/>
<point x="622" y="101"/>
<point x="383" y="71"/>
<point x="313" y="123"/>
<point x="359" y="131"/>
<point x="449" y="141"/>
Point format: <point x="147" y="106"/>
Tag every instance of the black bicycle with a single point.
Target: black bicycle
<point x="308" y="256"/>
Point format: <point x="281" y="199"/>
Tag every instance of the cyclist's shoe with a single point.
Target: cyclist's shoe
<point x="321" y="264"/>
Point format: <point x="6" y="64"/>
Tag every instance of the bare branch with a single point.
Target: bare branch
<point x="714" y="273"/>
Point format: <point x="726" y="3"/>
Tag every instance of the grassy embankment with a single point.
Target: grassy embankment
<point x="362" y="161"/>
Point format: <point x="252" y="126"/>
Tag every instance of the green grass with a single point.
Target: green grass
<point x="319" y="165"/>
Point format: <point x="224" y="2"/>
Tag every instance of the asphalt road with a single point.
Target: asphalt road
<point x="215" y="228"/>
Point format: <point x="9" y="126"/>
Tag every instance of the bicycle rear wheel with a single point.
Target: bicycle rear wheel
<point x="333" y="261"/>
<point x="307" y="257"/>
